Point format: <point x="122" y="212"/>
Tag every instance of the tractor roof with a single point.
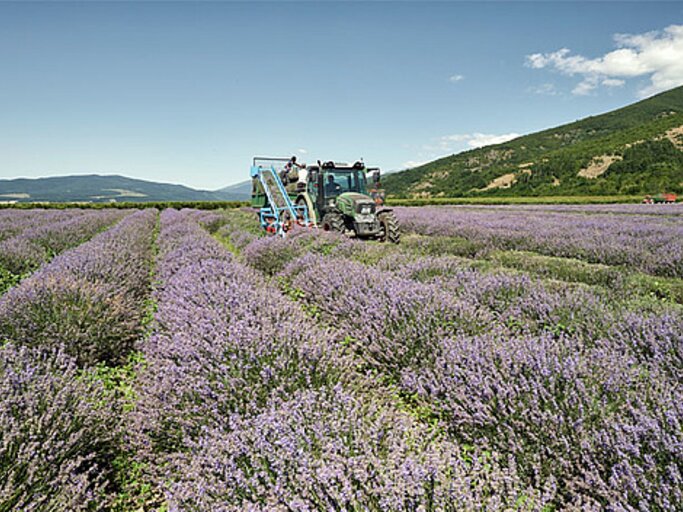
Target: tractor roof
<point x="343" y="165"/>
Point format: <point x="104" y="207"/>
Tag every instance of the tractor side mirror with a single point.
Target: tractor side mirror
<point x="375" y="177"/>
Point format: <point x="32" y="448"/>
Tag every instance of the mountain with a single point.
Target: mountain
<point x="637" y="149"/>
<point x="237" y="192"/>
<point x="96" y="188"/>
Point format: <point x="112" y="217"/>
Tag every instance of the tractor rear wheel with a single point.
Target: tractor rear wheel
<point x="389" y="231"/>
<point x="333" y="222"/>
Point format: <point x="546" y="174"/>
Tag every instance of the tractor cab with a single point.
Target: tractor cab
<point x="338" y="181"/>
<point x="329" y="181"/>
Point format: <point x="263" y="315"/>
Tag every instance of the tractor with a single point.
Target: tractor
<point x="332" y="196"/>
<point x="665" y="198"/>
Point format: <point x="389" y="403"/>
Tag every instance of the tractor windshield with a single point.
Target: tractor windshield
<point x="338" y="181"/>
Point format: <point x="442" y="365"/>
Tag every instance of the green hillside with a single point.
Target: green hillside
<point x="634" y="150"/>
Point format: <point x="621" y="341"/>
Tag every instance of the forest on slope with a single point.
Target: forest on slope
<point x="637" y="149"/>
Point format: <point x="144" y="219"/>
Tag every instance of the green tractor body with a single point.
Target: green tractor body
<point x="359" y="210"/>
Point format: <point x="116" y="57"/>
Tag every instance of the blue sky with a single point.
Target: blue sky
<point x="188" y="92"/>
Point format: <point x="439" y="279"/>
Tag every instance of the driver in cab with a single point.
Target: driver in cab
<point x="332" y="187"/>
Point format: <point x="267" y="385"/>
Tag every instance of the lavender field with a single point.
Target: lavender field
<point x="499" y="358"/>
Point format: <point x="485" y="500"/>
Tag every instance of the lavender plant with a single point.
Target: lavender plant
<point x="56" y="440"/>
<point x="14" y="222"/>
<point x="246" y="404"/>
<point x="270" y="255"/>
<point x="545" y="375"/>
<point x="89" y="299"/>
<point x="330" y="449"/>
<point x="26" y="251"/>
<point x="650" y="243"/>
<point x="327" y="374"/>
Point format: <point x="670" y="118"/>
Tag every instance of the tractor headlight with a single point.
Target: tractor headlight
<point x="366" y="209"/>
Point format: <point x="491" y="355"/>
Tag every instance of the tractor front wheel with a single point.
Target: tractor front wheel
<point x="389" y="230"/>
<point x="333" y="222"/>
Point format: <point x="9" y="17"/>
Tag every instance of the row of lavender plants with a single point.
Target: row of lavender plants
<point x="652" y="244"/>
<point x="13" y="222"/>
<point x="39" y="240"/>
<point x="246" y="403"/>
<point x="672" y="210"/>
<point x="580" y="394"/>
<point x="87" y="298"/>
<point x="60" y="429"/>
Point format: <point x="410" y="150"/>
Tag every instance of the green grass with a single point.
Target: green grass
<point x="439" y="245"/>
<point x="240" y="220"/>
<point x="563" y="269"/>
<point x="8" y="279"/>
<point x="660" y="288"/>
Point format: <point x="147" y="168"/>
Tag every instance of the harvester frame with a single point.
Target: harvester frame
<point x="277" y="212"/>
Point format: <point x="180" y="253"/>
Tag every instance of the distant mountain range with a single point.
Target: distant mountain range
<point x="634" y="150"/>
<point x="237" y="192"/>
<point x="97" y="188"/>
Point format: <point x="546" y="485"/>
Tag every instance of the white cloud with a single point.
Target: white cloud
<point x="657" y="55"/>
<point x="413" y="163"/>
<point x="302" y="151"/>
<point x="473" y="140"/>
<point x="613" y="82"/>
<point x="546" y="89"/>
<point x="477" y="140"/>
<point x="586" y="86"/>
<point x="456" y="78"/>
<point x="450" y="144"/>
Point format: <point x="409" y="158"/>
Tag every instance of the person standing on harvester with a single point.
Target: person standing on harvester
<point x="288" y="167"/>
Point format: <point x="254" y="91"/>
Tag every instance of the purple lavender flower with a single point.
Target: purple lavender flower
<point x="651" y="243"/>
<point x="89" y="299"/>
<point x="246" y="404"/>
<point x="55" y="431"/>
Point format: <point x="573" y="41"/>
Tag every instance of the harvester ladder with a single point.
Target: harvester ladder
<point x="279" y="204"/>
